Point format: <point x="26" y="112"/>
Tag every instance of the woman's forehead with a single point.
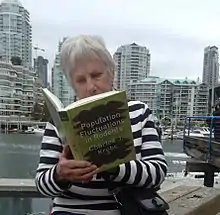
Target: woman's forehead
<point x="89" y="64"/>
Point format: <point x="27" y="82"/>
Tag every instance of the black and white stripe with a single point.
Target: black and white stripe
<point x="148" y="170"/>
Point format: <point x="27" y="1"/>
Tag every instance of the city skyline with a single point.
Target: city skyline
<point x="133" y="60"/>
<point x="176" y="44"/>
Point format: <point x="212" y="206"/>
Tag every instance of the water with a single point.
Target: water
<point x="175" y="157"/>
<point x="19" y="154"/>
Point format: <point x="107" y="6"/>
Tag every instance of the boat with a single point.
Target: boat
<point x="33" y="130"/>
<point x="203" y="130"/>
<point x="194" y="133"/>
<point x="180" y="135"/>
<point x="38" y="130"/>
<point x="28" y="131"/>
<point x="164" y="137"/>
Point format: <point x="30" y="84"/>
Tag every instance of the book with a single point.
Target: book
<point x="97" y="129"/>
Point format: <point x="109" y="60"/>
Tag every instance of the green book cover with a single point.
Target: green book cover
<point x="98" y="129"/>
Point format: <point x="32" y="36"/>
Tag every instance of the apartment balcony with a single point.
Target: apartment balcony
<point x="165" y="95"/>
<point x="28" y="99"/>
<point x="9" y="113"/>
<point x="20" y="88"/>
<point x="19" y="80"/>
<point x="28" y="108"/>
<point x="11" y="109"/>
<point x="5" y="91"/>
<point x="28" y="102"/>
<point x="6" y="95"/>
<point x="6" y="87"/>
<point x="201" y="102"/>
<point x="17" y="95"/>
<point x="4" y="80"/>
<point x="28" y="95"/>
<point x="28" y="84"/>
<point x="14" y="111"/>
<point x="26" y="90"/>
<point x="164" y="106"/>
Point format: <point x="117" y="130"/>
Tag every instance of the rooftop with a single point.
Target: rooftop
<point x="158" y="80"/>
<point x="17" y="2"/>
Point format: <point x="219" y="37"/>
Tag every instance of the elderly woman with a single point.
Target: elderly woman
<point x="75" y="186"/>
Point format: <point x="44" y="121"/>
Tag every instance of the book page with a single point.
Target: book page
<point x="90" y="99"/>
<point x="52" y="100"/>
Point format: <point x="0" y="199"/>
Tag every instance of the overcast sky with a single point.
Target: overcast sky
<point x="175" y="31"/>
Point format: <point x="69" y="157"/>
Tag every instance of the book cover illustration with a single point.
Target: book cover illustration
<point x="102" y="131"/>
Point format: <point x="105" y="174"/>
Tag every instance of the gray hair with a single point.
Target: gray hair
<point x="81" y="48"/>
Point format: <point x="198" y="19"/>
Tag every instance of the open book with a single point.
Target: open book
<point x="97" y="128"/>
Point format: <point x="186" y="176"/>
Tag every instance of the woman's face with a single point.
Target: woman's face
<point x="90" y="77"/>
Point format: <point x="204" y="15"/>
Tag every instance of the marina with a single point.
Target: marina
<point x="187" y="177"/>
<point x="16" y="126"/>
<point x="205" y="148"/>
<point x="168" y="133"/>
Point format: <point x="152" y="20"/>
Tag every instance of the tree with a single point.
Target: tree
<point x="166" y="121"/>
<point x="16" y="60"/>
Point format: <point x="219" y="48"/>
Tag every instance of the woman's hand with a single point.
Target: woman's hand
<point x="74" y="170"/>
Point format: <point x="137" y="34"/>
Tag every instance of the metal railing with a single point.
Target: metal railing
<point x="188" y="126"/>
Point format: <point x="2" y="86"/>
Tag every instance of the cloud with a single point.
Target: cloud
<point x="176" y="32"/>
<point x="171" y="55"/>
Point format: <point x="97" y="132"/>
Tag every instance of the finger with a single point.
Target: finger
<point x="83" y="178"/>
<point x="67" y="152"/>
<point x="87" y="180"/>
<point x="82" y="171"/>
<point x="63" y="153"/>
<point x="89" y="175"/>
<point x="73" y="164"/>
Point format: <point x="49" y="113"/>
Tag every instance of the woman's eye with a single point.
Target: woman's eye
<point x="80" y="80"/>
<point x="96" y="75"/>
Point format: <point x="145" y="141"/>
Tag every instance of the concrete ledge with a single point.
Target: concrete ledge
<point x="183" y="200"/>
<point x="187" y="200"/>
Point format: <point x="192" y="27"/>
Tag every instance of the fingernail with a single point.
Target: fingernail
<point x="96" y="170"/>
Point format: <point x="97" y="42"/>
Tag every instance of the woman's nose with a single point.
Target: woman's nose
<point x="91" y="87"/>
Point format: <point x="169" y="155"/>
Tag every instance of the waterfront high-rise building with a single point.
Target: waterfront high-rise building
<point x="132" y="63"/>
<point x="15" y="32"/>
<point x="41" y="70"/>
<point x="60" y="85"/>
<point x="16" y="90"/>
<point x="211" y="66"/>
<point x="173" y="98"/>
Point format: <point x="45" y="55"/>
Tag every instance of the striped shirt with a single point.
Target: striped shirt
<point x="148" y="170"/>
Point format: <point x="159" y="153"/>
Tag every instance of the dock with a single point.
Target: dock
<point x="11" y="124"/>
<point x="183" y="199"/>
<point x="203" y="149"/>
